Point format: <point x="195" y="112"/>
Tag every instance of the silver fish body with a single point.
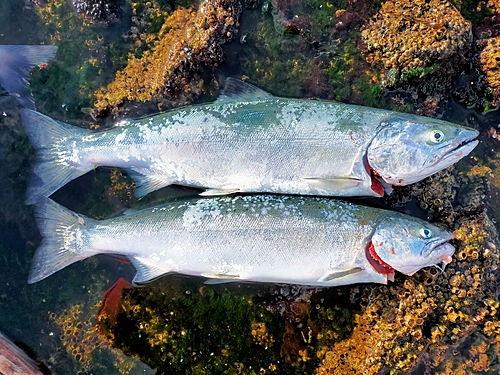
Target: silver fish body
<point x="281" y="239"/>
<point x="251" y="141"/>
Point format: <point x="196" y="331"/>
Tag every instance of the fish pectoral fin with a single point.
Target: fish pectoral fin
<point x="237" y="90"/>
<point x="339" y="273"/>
<point x="146" y="182"/>
<point x="220" y="278"/>
<point x="216" y="192"/>
<point x="337" y="183"/>
<point x="147" y="270"/>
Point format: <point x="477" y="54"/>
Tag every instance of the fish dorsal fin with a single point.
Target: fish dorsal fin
<point x="147" y="270"/>
<point x="237" y="90"/>
<point x="339" y="273"/>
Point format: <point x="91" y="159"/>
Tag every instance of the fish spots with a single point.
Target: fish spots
<point x="121" y="137"/>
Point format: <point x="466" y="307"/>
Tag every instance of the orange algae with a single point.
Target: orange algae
<point x="189" y="39"/>
<point x="490" y="62"/>
<point x="415" y="34"/>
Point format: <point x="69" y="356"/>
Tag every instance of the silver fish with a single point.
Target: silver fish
<point x="251" y="141"/>
<point x="13" y="361"/>
<point x="281" y="239"/>
<point x="16" y="61"/>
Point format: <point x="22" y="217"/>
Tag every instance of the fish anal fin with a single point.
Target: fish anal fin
<point x="147" y="181"/>
<point x="217" y="192"/>
<point x="339" y="273"/>
<point x="147" y="270"/>
<point x="237" y="90"/>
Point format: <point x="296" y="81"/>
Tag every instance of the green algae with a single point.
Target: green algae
<point x="177" y="325"/>
<point x="473" y="10"/>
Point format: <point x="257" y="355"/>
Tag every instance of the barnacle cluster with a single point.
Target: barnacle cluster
<point x="189" y="39"/>
<point x="439" y="321"/>
<point x="78" y="335"/>
<point x="98" y="10"/>
<point x="490" y="63"/>
<point x="407" y="35"/>
<point x="121" y="187"/>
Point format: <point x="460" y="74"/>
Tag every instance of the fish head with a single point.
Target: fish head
<point x="409" y="148"/>
<point x="407" y="244"/>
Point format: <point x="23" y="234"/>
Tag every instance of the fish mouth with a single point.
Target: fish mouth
<point x="377" y="263"/>
<point x="463" y="149"/>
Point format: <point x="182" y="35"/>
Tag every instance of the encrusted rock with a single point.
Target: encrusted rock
<point x="406" y="35"/>
<point x="189" y="39"/>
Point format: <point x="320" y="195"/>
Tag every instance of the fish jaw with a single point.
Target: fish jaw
<point x="461" y="151"/>
<point x="443" y="256"/>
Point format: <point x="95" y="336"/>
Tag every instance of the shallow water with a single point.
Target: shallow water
<point x="56" y="317"/>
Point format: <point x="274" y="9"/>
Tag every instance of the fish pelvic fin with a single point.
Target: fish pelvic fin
<point x="62" y="242"/>
<point x="147" y="270"/>
<point x="339" y="273"/>
<point x="17" y="61"/>
<point x="50" y="140"/>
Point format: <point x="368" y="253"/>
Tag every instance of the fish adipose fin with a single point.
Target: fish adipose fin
<point x="216" y="192"/>
<point x="61" y="244"/>
<point x="238" y="91"/>
<point x="146" y="182"/>
<point x="51" y="140"/>
<point x="339" y="183"/>
<point x="15" y="65"/>
<point x="339" y="273"/>
<point x="147" y="270"/>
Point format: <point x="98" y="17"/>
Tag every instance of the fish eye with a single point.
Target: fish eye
<point x="425" y="232"/>
<point x="436" y="136"/>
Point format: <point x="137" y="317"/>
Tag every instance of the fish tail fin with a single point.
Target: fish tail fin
<point x="49" y="138"/>
<point x="62" y="243"/>
<point x="16" y="63"/>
